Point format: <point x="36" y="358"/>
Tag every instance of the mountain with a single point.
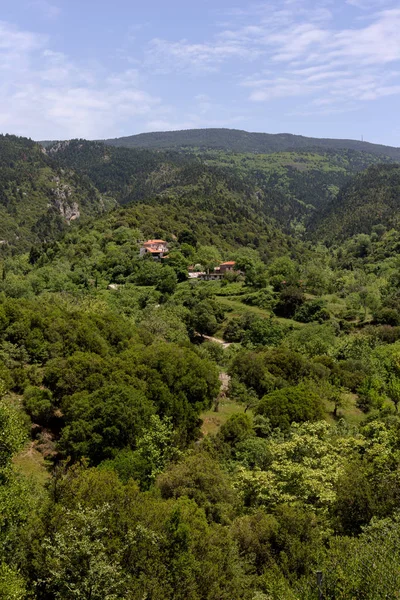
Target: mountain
<point x="167" y="192"/>
<point x="235" y="140"/>
<point x="38" y="199"/>
<point x="285" y="188"/>
<point x="372" y="198"/>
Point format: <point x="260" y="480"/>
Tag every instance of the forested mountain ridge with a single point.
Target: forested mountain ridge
<point x="371" y="199"/>
<point x="243" y="141"/>
<point x="37" y="199"/>
<point x="284" y="188"/>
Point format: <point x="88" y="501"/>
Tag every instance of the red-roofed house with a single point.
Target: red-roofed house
<point x="220" y="271"/>
<point x="227" y="266"/>
<point x="157" y="248"/>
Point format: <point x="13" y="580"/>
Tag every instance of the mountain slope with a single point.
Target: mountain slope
<point x="371" y="198"/>
<point x="242" y="141"/>
<point x="285" y="187"/>
<point x="38" y="200"/>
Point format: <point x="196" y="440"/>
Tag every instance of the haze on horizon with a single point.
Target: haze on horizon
<point x="99" y="69"/>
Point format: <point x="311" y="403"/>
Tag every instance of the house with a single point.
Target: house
<point x="157" y="248"/>
<point x="219" y="272"/>
<point x="226" y="267"/>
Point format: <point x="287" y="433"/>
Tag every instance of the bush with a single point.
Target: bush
<point x="387" y="316"/>
<point x="38" y="404"/>
<point x="298" y="404"/>
<point x="312" y="311"/>
<point x="290" y="300"/>
<point x="237" y="428"/>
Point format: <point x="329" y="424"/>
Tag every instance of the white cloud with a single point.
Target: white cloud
<point x="44" y="94"/>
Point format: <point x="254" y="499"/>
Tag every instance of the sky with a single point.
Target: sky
<point x="107" y="68"/>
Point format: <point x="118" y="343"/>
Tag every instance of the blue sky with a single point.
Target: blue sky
<point x="97" y="68"/>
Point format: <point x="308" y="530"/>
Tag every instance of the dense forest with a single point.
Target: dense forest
<point x="37" y="198"/>
<point x="283" y="188"/>
<point x="168" y="437"/>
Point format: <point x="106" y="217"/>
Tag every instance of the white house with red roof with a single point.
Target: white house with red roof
<point x="157" y="248"/>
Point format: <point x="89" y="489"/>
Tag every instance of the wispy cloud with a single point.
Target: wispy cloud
<point x="351" y="64"/>
<point x="299" y="51"/>
<point x="166" y="56"/>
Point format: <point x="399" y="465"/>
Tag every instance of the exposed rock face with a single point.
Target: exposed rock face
<point x="68" y="208"/>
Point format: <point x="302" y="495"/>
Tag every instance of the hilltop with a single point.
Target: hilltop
<point x="236" y="140"/>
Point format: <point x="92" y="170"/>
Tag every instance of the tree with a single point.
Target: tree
<point x="291" y="404"/>
<point x="208" y="256"/>
<point x="167" y="281"/>
<point x="101" y="423"/>
<point x="290" y="300"/>
<point x="393" y="391"/>
<point x="76" y="561"/>
<point x="201" y="478"/>
<point x="203" y="318"/>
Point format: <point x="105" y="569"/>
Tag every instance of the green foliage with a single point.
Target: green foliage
<point x="254" y="331"/>
<point x="290" y="300"/>
<point x="37" y="199"/>
<point x="312" y="311"/>
<point x="370" y="199"/>
<point x="116" y="378"/>
<point x="12" y="434"/>
<point x="12" y="584"/>
<point x="99" y="424"/>
<point x="364" y="567"/>
<point x="199" y="477"/>
<point x="38" y="404"/>
<point x="291" y="404"/>
<point x="76" y="563"/>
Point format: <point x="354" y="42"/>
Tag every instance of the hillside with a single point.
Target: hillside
<point x="372" y="198"/>
<point x="38" y="200"/>
<point x="285" y="188"/>
<point x="243" y="141"/>
<point x="171" y="437"/>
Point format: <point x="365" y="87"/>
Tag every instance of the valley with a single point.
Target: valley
<point x="169" y="436"/>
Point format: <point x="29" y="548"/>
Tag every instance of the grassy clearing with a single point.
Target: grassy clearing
<point x="349" y="411"/>
<point x="31" y="464"/>
<point x="212" y="421"/>
<point x="235" y="308"/>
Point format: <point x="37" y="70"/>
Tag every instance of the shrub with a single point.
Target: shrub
<point x="312" y="311"/>
<point x="290" y="299"/>
<point x="298" y="404"/>
<point x="38" y="404"/>
<point x="387" y="316"/>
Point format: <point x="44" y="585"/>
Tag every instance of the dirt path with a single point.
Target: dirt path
<point x="217" y="341"/>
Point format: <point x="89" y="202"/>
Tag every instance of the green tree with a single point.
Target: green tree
<point x="291" y="404"/>
<point x="76" y="562"/>
<point x="167" y="280"/>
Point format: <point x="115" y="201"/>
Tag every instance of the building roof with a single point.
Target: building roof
<point x="229" y="262"/>
<point x="154" y="242"/>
